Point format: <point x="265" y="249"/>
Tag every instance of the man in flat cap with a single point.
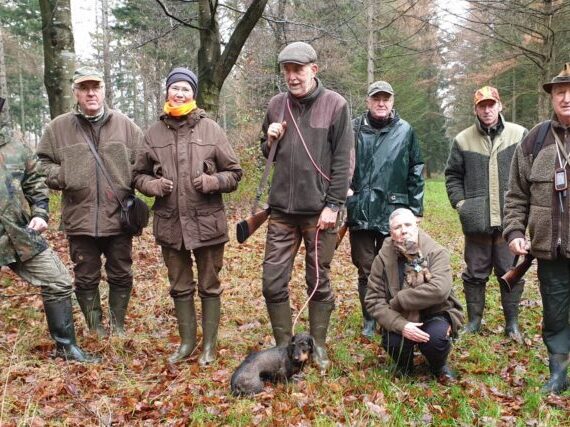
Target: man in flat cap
<point x="387" y="176"/>
<point x="311" y="125"/>
<point x="476" y="177"/>
<point x="538" y="198"/>
<point x="90" y="207"/>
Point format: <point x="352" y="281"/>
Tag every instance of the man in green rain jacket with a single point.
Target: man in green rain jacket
<point x="387" y="176"/>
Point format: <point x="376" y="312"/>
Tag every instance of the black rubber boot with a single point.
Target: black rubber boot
<point x="90" y="302"/>
<point x="475" y="299"/>
<point x="210" y="321"/>
<point x="118" y="302"/>
<point x="319" y="316"/>
<point x="558" y="382"/>
<point x="59" y="317"/>
<point x="186" y="317"/>
<point x="510" y="300"/>
<point x="369" y="326"/>
<point x="281" y="322"/>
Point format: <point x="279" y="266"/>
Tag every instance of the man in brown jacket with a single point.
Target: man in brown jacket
<point x="411" y="312"/>
<point x="538" y="198"/>
<point x="90" y="209"/>
<point x="312" y="126"/>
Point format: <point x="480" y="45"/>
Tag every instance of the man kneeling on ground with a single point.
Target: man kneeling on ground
<point x="412" y="311"/>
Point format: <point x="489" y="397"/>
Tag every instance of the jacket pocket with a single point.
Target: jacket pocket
<point x="540" y="228"/>
<point x="474" y="215"/>
<point x="212" y="224"/>
<point x="78" y="167"/>
<point x="398" y="199"/>
<point x="162" y="226"/>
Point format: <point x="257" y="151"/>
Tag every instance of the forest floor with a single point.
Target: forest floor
<point x="134" y="385"/>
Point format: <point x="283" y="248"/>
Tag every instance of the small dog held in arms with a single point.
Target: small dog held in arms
<point x="416" y="270"/>
<point x="274" y="364"/>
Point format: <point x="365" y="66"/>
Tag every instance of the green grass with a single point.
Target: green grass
<point x="500" y="380"/>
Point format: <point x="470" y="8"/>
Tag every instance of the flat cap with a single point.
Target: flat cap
<point x="87" y="74"/>
<point x="298" y="53"/>
<point x="380" y="86"/>
<point x="562" y="77"/>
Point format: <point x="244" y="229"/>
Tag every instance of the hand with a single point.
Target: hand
<point x="414" y="333"/>
<point x="327" y="219"/>
<point x="459" y="204"/>
<point x="275" y="132"/>
<point x="38" y="224"/>
<point x="159" y="187"/>
<point x="519" y="246"/>
<point x="206" y="183"/>
<point x="349" y="193"/>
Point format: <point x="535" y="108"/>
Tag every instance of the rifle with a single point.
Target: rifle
<point x="516" y="272"/>
<point x="340" y="235"/>
<point x="248" y="226"/>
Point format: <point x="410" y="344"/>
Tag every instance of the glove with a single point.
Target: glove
<point x="206" y="183"/>
<point x="159" y="187"/>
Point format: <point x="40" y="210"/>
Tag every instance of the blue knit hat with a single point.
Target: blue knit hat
<point x="181" y="74"/>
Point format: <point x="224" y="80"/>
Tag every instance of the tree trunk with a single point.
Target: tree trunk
<point x="214" y="66"/>
<point x="59" y="54"/>
<point x="371" y="40"/>
<point x="3" y="80"/>
<point x="106" y="55"/>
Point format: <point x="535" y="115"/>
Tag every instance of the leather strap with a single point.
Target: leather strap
<point x="100" y="163"/>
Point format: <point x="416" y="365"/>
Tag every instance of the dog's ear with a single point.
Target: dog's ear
<point x="291" y="348"/>
<point x="311" y="342"/>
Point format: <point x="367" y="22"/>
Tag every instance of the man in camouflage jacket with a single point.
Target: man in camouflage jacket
<point x="23" y="216"/>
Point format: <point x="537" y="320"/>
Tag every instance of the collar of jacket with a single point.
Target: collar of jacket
<point x="556" y="123"/>
<point x="310" y="98"/>
<point x="365" y="123"/>
<point x="191" y="119"/>
<point x="85" y="122"/>
<point x="494" y="130"/>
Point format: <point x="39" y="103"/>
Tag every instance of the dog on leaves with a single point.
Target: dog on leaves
<point x="274" y="364"/>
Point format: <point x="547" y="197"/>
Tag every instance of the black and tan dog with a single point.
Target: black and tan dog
<point x="274" y="364"/>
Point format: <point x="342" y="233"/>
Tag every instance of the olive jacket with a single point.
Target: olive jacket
<point x="181" y="150"/>
<point x="477" y="175"/>
<point x="389" y="303"/>
<point x="387" y="174"/>
<point x="88" y="205"/>
<point x="23" y="195"/>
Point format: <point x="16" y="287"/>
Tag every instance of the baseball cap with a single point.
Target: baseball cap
<point x="486" y="93"/>
<point x="380" y="86"/>
<point x="87" y="74"/>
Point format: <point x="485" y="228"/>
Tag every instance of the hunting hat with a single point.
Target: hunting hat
<point x="563" y="77"/>
<point x="298" y="53"/>
<point x="181" y="74"/>
<point x="486" y="93"/>
<point x="380" y="86"/>
<point x="87" y="74"/>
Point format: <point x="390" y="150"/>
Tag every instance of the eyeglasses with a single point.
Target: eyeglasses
<point x="86" y="88"/>
<point x="186" y="91"/>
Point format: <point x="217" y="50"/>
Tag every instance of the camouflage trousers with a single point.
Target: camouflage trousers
<point x="48" y="272"/>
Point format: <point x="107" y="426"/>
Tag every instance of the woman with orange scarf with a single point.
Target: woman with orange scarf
<point x="187" y="163"/>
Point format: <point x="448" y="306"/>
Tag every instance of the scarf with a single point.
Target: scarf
<point x="93" y="119"/>
<point x="181" y="110"/>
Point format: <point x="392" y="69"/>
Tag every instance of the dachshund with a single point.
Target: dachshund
<point x="274" y="364"/>
<point x="416" y="270"/>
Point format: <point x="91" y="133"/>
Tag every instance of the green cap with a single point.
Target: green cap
<point x="380" y="86"/>
<point x="87" y="74"/>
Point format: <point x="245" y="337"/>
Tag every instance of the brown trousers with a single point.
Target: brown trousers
<point x="86" y="254"/>
<point x="284" y="235"/>
<point x="209" y="262"/>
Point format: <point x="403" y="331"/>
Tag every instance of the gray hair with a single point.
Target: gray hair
<point x="398" y="212"/>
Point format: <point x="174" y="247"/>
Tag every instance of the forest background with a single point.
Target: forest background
<point x="435" y="53"/>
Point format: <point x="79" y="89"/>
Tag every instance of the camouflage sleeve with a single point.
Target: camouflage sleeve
<point x="35" y="188"/>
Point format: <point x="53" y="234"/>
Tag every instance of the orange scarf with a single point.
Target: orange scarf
<point x="181" y="110"/>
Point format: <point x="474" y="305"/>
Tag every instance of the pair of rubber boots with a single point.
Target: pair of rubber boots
<point x="187" y="325"/>
<point x="59" y="315"/>
<point x="319" y="316"/>
<point x="510" y="299"/>
<point x="90" y="302"/>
